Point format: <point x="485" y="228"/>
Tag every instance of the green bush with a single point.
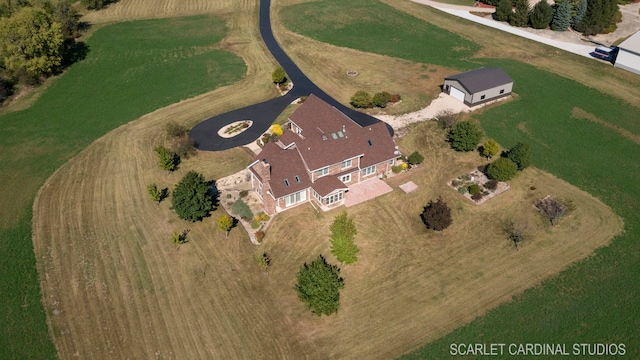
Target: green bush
<point x="241" y="209"/>
<point x="192" y="197"/>
<point x="361" y="99"/>
<point x="415" y="158"/>
<point x="502" y="169"/>
<point x="279" y="76"/>
<point x="462" y="190"/>
<point x="381" y="99"/>
<point x="259" y="235"/>
<point x="520" y="154"/>
<point x="464" y="136"/>
<point x="491" y="184"/>
<point x="474" y="189"/>
<point x="318" y="285"/>
<point x="396" y="169"/>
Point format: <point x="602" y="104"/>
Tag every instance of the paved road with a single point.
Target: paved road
<point x="205" y="134"/>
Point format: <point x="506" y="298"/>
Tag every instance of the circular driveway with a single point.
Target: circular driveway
<point x="205" y="134"/>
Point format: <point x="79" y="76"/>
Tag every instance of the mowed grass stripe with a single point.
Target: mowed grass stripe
<point x="80" y="106"/>
<point x="596" y="300"/>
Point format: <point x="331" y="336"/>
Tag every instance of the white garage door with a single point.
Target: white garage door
<point x="456" y="94"/>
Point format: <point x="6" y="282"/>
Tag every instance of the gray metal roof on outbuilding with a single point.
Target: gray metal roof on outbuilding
<point x="632" y="44"/>
<point x="481" y="79"/>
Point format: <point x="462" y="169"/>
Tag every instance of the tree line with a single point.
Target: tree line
<point x="38" y="39"/>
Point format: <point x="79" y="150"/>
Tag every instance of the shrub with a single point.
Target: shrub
<point x="462" y="190"/>
<point x="396" y="169"/>
<point x="474" y="189"/>
<point x="521" y="155"/>
<point x="361" y="99"/>
<point x="183" y="146"/>
<point x="476" y="197"/>
<point x="241" y="209"/>
<point x="276" y="130"/>
<point x="541" y="15"/>
<point x="464" y="136"/>
<point x="255" y="224"/>
<point x="503" y="10"/>
<point x="490" y="148"/>
<point x="279" y="76"/>
<point x="447" y="118"/>
<point x="394" y="98"/>
<point x="436" y="215"/>
<point x="318" y="285"/>
<point x="167" y="160"/>
<point x="491" y="184"/>
<point x="415" y="158"/>
<point x="174" y="130"/>
<point x="381" y="99"/>
<point x="192" y="197"/>
<point x="456" y="182"/>
<point x="262" y="216"/>
<point x="502" y="169"/>
<point x="244" y="193"/>
<point x="259" y="235"/>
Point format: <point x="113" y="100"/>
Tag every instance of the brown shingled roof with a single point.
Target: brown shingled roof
<point x="326" y="184"/>
<point x="331" y="137"/>
<point x="286" y="164"/>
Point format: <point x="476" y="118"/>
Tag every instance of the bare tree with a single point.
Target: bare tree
<point x="551" y="208"/>
<point x="517" y="231"/>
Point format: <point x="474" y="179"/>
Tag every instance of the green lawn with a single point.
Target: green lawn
<point x="596" y="300"/>
<point x="132" y="69"/>
<point x="372" y="26"/>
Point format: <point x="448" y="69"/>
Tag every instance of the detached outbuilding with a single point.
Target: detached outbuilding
<point x="628" y="57"/>
<point x="479" y="86"/>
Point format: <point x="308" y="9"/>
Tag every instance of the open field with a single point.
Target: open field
<point x="120" y="275"/>
<point x="594" y="301"/>
<point x="38" y="140"/>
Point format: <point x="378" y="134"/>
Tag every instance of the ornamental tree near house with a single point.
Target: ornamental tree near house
<point x="318" y="285"/>
<point x="502" y="169"/>
<point x="361" y="99"/>
<point x="279" y="76"/>
<point x="520" y="154"/>
<point x="490" y="148"/>
<point x="225" y="223"/>
<point x="157" y="194"/>
<point x="436" y="215"/>
<point x="343" y="230"/>
<point x="464" y="136"/>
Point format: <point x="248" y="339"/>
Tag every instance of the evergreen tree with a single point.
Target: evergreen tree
<point x="541" y="15"/>
<point x="598" y="17"/>
<point x="520" y="154"/>
<point x="319" y="285"/>
<point x="167" y="160"/>
<point x="343" y="230"/>
<point x="520" y="16"/>
<point x="503" y="10"/>
<point x="192" y="198"/>
<point x="502" y="169"/>
<point x="580" y="13"/>
<point x="561" y="17"/>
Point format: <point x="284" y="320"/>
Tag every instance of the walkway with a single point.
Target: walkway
<point x="205" y="134"/>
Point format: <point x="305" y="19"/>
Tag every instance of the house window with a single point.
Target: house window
<point x="286" y="182"/>
<point x="333" y="198"/>
<point x="369" y="170"/>
<point x="297" y="179"/>
<point x="346" y="164"/>
<point x="317" y="196"/>
<point x="322" y="172"/>
<point x="295" y="198"/>
<point x="482" y="97"/>
<point x="260" y="185"/>
<point x="345" y="178"/>
<point x="502" y="91"/>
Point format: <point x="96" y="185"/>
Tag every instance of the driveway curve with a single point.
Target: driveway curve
<point x="205" y="134"/>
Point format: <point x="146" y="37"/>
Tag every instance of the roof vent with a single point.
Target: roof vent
<point x="324" y="137"/>
<point x="369" y="142"/>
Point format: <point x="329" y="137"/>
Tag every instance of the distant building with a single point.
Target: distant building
<point x="628" y="57"/>
<point x="479" y="86"/>
<point x="318" y="157"/>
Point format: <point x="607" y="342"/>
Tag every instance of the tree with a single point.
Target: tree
<point x="318" y="285"/>
<point x="361" y="99"/>
<point x="551" y="209"/>
<point x="157" y="194"/>
<point x="183" y="147"/>
<point x="276" y="130"/>
<point x="264" y="261"/>
<point x="174" y="130"/>
<point x="343" y="231"/>
<point x="31" y="45"/>
<point x="96" y="4"/>
<point x="279" y="76"/>
<point x="225" y="223"/>
<point x="167" y="160"/>
<point x="580" y="13"/>
<point x="598" y="17"/>
<point x="520" y="154"/>
<point x="436" y="215"/>
<point x="192" y="197"/>
<point x="381" y="99"/>
<point x="415" y="158"/>
<point x="464" y="136"/>
<point x="490" y="148"/>
<point x="541" y="15"/>
<point x="503" y="10"/>
<point x="520" y="16"/>
<point x="179" y="239"/>
<point x="561" y="17"/>
<point x="517" y="231"/>
<point x="502" y="169"/>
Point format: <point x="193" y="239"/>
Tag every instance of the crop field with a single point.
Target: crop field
<point x="85" y="103"/>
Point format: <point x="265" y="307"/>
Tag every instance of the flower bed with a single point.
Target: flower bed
<point x="476" y="187"/>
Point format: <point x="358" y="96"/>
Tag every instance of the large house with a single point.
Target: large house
<point x="318" y="157"/>
<point x="479" y="86"/>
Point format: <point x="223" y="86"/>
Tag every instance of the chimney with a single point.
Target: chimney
<point x="265" y="170"/>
